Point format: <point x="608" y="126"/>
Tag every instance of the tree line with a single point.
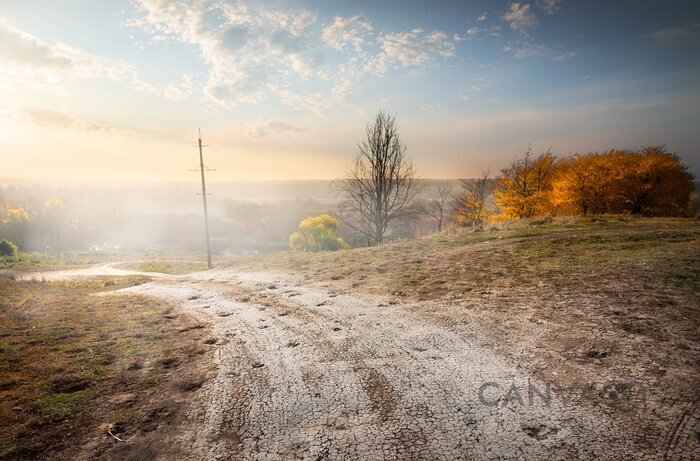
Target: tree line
<point x="381" y="187"/>
<point x="649" y="182"/>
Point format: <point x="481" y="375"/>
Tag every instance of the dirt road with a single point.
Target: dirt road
<point x="306" y="372"/>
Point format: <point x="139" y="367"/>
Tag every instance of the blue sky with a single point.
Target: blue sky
<point x="283" y="89"/>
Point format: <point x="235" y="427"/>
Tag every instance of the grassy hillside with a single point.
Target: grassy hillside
<point x="75" y="365"/>
<point x="577" y="299"/>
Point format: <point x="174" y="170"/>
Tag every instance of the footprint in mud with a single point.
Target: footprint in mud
<point x="539" y="431"/>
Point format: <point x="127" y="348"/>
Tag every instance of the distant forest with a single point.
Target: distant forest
<point x="245" y="216"/>
<point x="257" y="216"/>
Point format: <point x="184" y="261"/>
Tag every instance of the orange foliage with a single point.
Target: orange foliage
<point x="650" y="182"/>
<point x="524" y="188"/>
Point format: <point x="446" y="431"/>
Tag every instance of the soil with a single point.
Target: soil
<point x="565" y="344"/>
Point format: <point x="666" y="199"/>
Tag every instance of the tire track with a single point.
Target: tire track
<point x="361" y="381"/>
<point x="308" y="373"/>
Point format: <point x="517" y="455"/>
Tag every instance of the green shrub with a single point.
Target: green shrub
<point x="8" y="248"/>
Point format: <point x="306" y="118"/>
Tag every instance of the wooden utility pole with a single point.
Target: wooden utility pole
<point x="204" y="199"/>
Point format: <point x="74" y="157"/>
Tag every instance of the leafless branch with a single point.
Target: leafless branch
<point x="380" y="183"/>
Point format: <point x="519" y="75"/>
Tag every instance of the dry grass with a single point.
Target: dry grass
<point x="165" y="267"/>
<point x="70" y="361"/>
<point x="51" y="261"/>
<point x="448" y="265"/>
<point x="596" y="298"/>
<point x="172" y="263"/>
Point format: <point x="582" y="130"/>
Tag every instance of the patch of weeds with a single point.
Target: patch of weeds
<point x="148" y="382"/>
<point x="63" y="354"/>
<point x="126" y="416"/>
<point x="60" y="405"/>
<point x="168" y="362"/>
<point x="154" y="266"/>
<point x="681" y="277"/>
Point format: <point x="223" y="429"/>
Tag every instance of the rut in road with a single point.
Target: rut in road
<point x="308" y="373"/>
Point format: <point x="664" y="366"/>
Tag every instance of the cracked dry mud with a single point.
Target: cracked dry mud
<point x="308" y="373"/>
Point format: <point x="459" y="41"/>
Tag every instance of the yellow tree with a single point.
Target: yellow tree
<point x="317" y="233"/>
<point x="523" y="189"/>
<point x="14" y="224"/>
<point x="14" y="216"/>
<point x="581" y="185"/>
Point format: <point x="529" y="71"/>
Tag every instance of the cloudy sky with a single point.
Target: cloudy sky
<point x="283" y="89"/>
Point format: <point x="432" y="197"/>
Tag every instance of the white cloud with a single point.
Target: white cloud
<point x="481" y="18"/>
<point x="472" y="32"/>
<point x="20" y="48"/>
<point x="414" y="48"/>
<point x="523" y="49"/>
<point x="346" y="32"/>
<point x="526" y="50"/>
<point x="564" y="56"/>
<point x="549" y="6"/>
<point x="676" y="33"/>
<point x="266" y="128"/>
<point x="246" y="47"/>
<point x="255" y="52"/>
<point x="520" y="17"/>
<point x="476" y="32"/>
<point x="52" y="119"/>
<point x="26" y="62"/>
<point x="429" y="107"/>
<point x="179" y="92"/>
<point x="348" y="74"/>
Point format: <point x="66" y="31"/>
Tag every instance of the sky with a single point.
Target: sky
<point x="100" y="90"/>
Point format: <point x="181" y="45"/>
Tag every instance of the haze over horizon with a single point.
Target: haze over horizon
<point x="282" y="90"/>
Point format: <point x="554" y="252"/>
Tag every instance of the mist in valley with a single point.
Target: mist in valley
<point x="245" y="217"/>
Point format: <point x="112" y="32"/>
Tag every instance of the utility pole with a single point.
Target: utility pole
<point x="204" y="199"/>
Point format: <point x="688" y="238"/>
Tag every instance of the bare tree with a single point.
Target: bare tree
<point x="437" y="208"/>
<point x="380" y="184"/>
<point x="471" y="206"/>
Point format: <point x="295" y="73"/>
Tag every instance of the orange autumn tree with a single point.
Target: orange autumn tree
<point x="524" y="188"/>
<point x="663" y="184"/>
<point x="589" y="184"/>
<point x="650" y="182"/>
